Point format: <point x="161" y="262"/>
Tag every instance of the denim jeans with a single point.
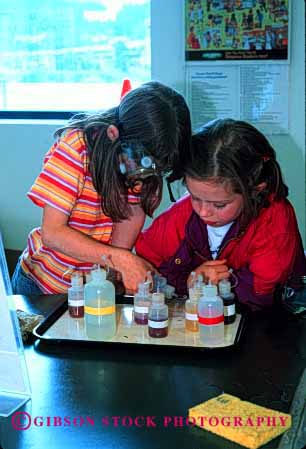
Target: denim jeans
<point x="22" y="284"/>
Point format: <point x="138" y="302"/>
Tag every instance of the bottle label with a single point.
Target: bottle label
<point x="75" y="302"/>
<point x="100" y="310"/>
<point x="139" y="309"/>
<point x="158" y="324"/>
<point x="229" y="310"/>
<point x="208" y="321"/>
<point x="191" y="316"/>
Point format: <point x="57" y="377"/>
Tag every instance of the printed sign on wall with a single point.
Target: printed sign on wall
<point x="255" y="93"/>
<point x="236" y="29"/>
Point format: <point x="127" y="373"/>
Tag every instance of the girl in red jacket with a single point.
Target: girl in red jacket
<point x="235" y="216"/>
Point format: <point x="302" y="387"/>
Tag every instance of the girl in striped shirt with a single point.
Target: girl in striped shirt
<point x="99" y="180"/>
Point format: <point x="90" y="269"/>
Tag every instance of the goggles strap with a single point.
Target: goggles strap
<point x="171" y="196"/>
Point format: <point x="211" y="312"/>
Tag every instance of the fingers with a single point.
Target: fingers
<point x="219" y="268"/>
<point x="214" y="263"/>
<point x="138" y="270"/>
<point x="215" y="273"/>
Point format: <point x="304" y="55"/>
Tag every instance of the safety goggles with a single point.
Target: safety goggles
<point x="136" y="163"/>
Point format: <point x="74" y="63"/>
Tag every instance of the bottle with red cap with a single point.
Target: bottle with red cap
<point x="211" y="318"/>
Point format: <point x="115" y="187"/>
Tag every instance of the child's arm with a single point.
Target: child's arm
<point x="125" y="233"/>
<point x="161" y="239"/>
<point x="270" y="264"/>
<point x="58" y="235"/>
<point x="247" y="295"/>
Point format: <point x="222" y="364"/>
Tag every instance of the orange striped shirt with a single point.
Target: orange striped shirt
<point x="65" y="184"/>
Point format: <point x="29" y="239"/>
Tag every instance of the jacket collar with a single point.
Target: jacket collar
<point x="197" y="236"/>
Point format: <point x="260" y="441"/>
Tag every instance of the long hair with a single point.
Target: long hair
<point x="235" y="153"/>
<point x="153" y="115"/>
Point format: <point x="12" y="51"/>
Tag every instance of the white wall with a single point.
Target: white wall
<point x="25" y="143"/>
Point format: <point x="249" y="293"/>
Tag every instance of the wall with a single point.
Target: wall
<point x="168" y="66"/>
<point x="25" y="143"/>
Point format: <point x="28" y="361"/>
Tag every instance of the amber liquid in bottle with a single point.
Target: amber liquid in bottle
<point x="191" y="316"/>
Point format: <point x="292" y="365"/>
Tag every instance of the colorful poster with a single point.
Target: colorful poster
<point x="236" y="29"/>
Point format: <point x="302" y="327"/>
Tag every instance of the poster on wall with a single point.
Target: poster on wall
<point x="255" y="93"/>
<point x="236" y="29"/>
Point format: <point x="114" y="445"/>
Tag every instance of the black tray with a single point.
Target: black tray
<point x="59" y="327"/>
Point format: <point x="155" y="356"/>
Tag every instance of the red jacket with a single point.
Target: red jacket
<point x="263" y="256"/>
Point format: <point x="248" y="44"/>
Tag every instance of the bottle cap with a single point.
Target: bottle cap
<point x="98" y="274"/>
<point x="210" y="290"/>
<point x="144" y="288"/>
<point x="158" y="299"/>
<point x="200" y="278"/>
<point x="193" y="294"/>
<point x="76" y="280"/>
<point x="193" y="279"/>
<point x="224" y="287"/>
<point x="198" y="285"/>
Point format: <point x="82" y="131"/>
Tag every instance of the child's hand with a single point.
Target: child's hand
<point x="133" y="269"/>
<point x="213" y="271"/>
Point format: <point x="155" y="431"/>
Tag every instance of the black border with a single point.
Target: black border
<point x="37" y="115"/>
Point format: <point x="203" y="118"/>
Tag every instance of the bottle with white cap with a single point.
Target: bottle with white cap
<point x="228" y="298"/>
<point x="100" y="308"/>
<point x="211" y="318"/>
<point x="142" y="302"/>
<point x="191" y="305"/>
<point x="158" y="316"/>
<point x="76" y="296"/>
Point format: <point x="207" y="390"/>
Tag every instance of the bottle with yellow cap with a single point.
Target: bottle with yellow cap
<point x="100" y="307"/>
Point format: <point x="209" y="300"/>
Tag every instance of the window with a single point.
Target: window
<point x="71" y="55"/>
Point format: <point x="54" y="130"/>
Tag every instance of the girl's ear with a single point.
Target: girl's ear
<point x="261" y="186"/>
<point x="112" y="132"/>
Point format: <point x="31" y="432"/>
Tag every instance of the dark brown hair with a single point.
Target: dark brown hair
<point x="153" y="115"/>
<point x="236" y="153"/>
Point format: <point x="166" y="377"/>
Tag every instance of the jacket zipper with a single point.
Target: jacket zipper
<point x="225" y="245"/>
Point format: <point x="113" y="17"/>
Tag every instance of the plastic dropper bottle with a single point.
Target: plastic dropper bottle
<point x="211" y="318"/>
<point x="142" y="302"/>
<point x="228" y="298"/>
<point x="196" y="287"/>
<point x="76" y="296"/>
<point x="191" y="305"/>
<point x="158" y="316"/>
<point x="100" y="308"/>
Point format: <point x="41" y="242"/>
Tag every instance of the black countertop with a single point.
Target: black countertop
<point x="96" y="384"/>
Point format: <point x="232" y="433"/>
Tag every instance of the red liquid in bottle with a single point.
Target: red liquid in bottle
<point x="141" y="318"/>
<point x="158" y="332"/>
<point x="76" y="311"/>
<point x="76" y="296"/>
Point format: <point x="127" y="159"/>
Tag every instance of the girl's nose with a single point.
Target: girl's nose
<point x="205" y="210"/>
